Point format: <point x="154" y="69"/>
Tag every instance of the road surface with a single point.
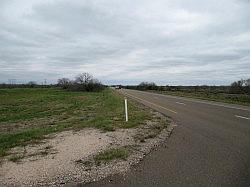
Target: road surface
<point x="210" y="146"/>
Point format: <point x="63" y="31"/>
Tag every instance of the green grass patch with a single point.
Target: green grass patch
<point x="27" y="115"/>
<point x="16" y="158"/>
<point x="111" y="154"/>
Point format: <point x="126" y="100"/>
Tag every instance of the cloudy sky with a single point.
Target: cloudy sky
<point x="178" y="42"/>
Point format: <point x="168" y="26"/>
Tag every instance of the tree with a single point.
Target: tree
<point x="32" y="84"/>
<point x="247" y="86"/>
<point x="241" y="86"/>
<point x="82" y="82"/>
<point x="83" y="78"/>
<point x="63" y="82"/>
<point x="247" y="82"/>
<point x="147" y="86"/>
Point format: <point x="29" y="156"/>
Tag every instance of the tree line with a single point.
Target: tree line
<point x="238" y="87"/>
<point x="82" y="82"/>
<point x="86" y="82"/>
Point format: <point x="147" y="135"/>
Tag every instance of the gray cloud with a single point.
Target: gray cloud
<point x="169" y="42"/>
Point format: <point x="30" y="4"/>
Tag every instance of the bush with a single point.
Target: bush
<point x="32" y="84"/>
<point x="147" y="86"/>
<point x="63" y="82"/>
<point x="83" y="82"/>
<point x="240" y="87"/>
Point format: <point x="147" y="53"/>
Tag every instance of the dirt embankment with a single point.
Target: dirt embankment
<point x="69" y="157"/>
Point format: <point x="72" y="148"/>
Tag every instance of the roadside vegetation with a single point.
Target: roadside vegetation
<point x="82" y="82"/>
<point x="27" y="115"/>
<point x="237" y="93"/>
<point x="111" y="154"/>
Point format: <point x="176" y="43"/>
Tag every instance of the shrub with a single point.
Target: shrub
<point x="83" y="82"/>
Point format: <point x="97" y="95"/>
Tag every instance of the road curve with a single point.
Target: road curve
<point x="210" y="146"/>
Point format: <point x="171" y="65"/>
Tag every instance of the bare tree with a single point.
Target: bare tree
<point x="247" y="82"/>
<point x="63" y="82"/>
<point x="83" y="78"/>
<point x="241" y="86"/>
<point x="82" y="82"/>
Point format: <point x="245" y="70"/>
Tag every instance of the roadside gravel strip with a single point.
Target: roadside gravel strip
<point x="66" y="158"/>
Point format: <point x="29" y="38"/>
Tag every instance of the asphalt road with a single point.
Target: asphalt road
<point x="210" y="146"/>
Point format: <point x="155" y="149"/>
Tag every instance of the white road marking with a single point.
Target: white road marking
<point x="180" y="103"/>
<point x="151" y="103"/>
<point x="242" y="117"/>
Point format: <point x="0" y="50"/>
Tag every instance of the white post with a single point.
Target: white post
<point x="126" y="109"/>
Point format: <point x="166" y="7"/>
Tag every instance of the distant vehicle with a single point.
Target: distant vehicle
<point x="118" y="87"/>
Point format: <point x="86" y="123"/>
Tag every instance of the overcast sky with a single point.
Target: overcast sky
<point x="176" y="42"/>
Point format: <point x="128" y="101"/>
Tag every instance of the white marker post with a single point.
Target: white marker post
<point x="126" y="109"/>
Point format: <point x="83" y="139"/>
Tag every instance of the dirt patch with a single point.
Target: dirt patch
<point x="68" y="157"/>
<point x="18" y="126"/>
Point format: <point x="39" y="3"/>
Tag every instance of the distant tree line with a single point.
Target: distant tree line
<point x="86" y="82"/>
<point x="238" y="87"/>
<point x="30" y="84"/>
<point x="147" y="86"/>
<point x="82" y="82"/>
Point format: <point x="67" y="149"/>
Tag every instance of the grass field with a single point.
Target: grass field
<point x="27" y="115"/>
<point x="220" y="97"/>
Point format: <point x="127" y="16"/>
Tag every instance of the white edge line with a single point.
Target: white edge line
<point x="237" y="116"/>
<point x="150" y="103"/>
<point x="180" y="103"/>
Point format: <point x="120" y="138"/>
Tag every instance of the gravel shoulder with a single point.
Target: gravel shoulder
<point x="67" y="158"/>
